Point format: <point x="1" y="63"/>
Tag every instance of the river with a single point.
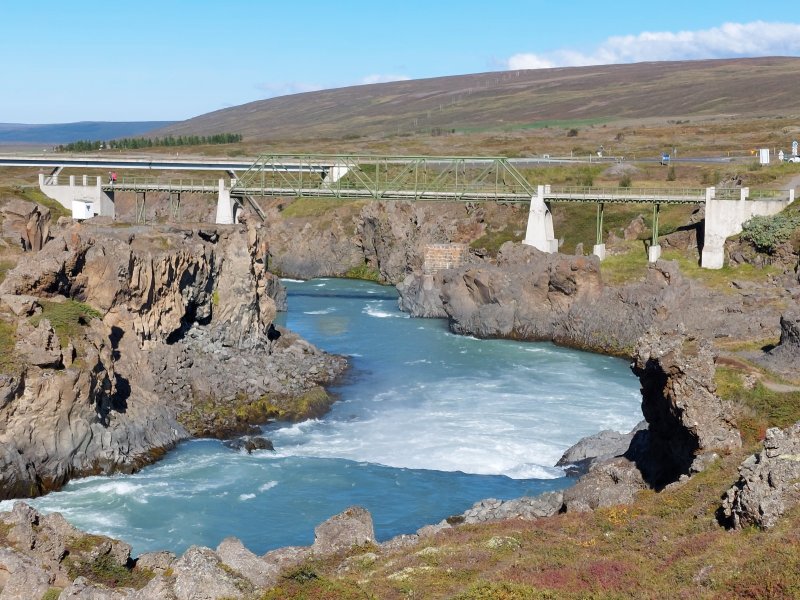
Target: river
<point x="426" y="424"/>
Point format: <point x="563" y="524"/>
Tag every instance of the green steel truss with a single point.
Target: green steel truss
<point x="466" y="179"/>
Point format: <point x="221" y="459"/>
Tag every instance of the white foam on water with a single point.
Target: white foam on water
<point x="324" y="311"/>
<point x="245" y="497"/>
<point x="290" y="280"/>
<point x="267" y="486"/>
<point x="374" y="309"/>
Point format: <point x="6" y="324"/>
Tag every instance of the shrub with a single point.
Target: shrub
<point x="572" y="133"/>
<point x="767" y="233"/>
<point x="671" y="174"/>
<point x="625" y="181"/>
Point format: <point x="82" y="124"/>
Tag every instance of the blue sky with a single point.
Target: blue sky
<point x="172" y="59"/>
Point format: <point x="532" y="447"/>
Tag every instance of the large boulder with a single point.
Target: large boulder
<point x="769" y="481"/>
<point x="352" y="527"/>
<point x="606" y="444"/>
<point x="200" y="575"/>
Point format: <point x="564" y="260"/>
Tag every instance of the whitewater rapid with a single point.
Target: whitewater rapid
<point x="426" y="424"/>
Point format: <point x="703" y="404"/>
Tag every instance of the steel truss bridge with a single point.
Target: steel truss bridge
<point x="410" y="178"/>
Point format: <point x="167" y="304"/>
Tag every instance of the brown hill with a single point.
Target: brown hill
<point x="518" y="100"/>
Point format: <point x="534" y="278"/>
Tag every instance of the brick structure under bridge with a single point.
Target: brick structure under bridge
<point x="439" y="257"/>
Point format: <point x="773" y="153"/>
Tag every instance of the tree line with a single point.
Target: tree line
<point x="141" y="142"/>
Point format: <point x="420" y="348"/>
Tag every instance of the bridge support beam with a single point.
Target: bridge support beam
<point x="225" y="212"/>
<point x="539" y="233"/>
<point x="599" y="249"/>
<point x="654" y="251"/>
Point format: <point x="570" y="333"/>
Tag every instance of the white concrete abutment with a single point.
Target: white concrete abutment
<point x="723" y="218"/>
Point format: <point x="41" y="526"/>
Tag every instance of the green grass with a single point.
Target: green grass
<point x="718" y="279"/>
<point x="68" y="318"/>
<point x="7" y="342"/>
<point x="52" y="594"/>
<point x="760" y="407"/>
<point x="35" y="195"/>
<point x="494" y="238"/>
<point x="315" y="207"/>
<point x="108" y="572"/>
<point x="364" y="272"/>
<point x="5" y="267"/>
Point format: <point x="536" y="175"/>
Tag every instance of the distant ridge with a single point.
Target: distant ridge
<point x="64" y="133"/>
<point x="517" y="99"/>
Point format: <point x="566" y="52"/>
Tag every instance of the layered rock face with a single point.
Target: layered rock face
<point x="769" y="481"/>
<point x="169" y="318"/>
<point x="686" y="419"/>
<point x="530" y="295"/>
<point x="389" y="238"/>
<point x="25" y="224"/>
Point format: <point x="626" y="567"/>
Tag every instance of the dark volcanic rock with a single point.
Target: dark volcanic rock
<point x="685" y="416"/>
<point x="785" y="357"/>
<point x="249" y="443"/>
<point x="769" y="482"/>
<point x="531" y="295"/>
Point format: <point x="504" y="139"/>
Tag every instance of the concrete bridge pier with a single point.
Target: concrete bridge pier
<point x="333" y="174"/>
<point x="226" y="206"/>
<point x="85" y="199"/>
<point x="725" y="218"/>
<point x="539" y="233"/>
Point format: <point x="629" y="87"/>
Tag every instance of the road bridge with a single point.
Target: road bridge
<point x="420" y="178"/>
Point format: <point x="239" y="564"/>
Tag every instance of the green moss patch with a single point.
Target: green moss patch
<point x="214" y="417"/>
<point x="68" y="318"/>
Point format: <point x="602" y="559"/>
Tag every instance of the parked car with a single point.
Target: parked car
<point x="794" y="159"/>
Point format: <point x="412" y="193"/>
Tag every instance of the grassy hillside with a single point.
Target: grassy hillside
<point x="574" y="97"/>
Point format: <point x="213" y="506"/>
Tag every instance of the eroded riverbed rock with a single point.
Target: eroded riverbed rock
<point x="769" y="481"/>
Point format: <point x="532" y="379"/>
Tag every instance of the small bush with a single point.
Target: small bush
<point x="767" y="233"/>
<point x="625" y="181"/>
<point x="671" y="174"/>
<point x="572" y="132"/>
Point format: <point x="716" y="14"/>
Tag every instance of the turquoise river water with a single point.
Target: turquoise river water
<point x="427" y="423"/>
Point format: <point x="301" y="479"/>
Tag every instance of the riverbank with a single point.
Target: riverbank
<point x="125" y="341"/>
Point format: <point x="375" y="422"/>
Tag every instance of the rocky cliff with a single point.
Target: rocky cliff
<point x="129" y="340"/>
<point x="530" y="295"/>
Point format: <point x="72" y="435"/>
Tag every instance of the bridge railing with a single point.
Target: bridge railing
<point x="632" y="194"/>
<point x="412" y="177"/>
<point x="150" y="183"/>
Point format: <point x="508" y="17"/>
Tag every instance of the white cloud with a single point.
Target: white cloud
<point x="726" y="41"/>
<point x="383" y="78"/>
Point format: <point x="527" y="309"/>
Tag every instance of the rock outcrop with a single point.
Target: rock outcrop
<point x="785" y="357"/>
<point x="152" y="323"/>
<point x="769" y="481"/>
<point x="686" y="419"/>
<point x="42" y="552"/>
<point x="25" y="224"/>
<point x="530" y="295"/>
